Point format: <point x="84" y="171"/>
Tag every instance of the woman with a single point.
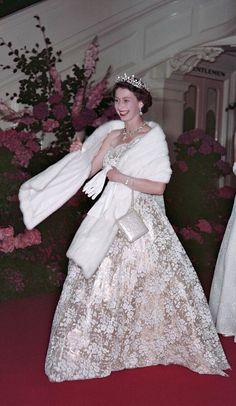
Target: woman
<point x="128" y="305"/>
<point x="222" y="296"/>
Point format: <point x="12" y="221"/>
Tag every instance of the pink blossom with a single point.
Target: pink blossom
<point x="55" y="98"/>
<point x="185" y="138"/>
<point x="90" y="59"/>
<point x="204" y="226"/>
<point x="60" y="111"/>
<point x="223" y="166"/>
<point x="95" y="94"/>
<point x="218" y="148"/>
<point x="40" y="111"/>
<point x="50" y="125"/>
<point x="189" y="234"/>
<point x="6" y="232"/>
<point x="191" y="136"/>
<point x="28" y="238"/>
<point x="108" y="114"/>
<point x="86" y="117"/>
<point x="77" y="106"/>
<point x="198" y="134"/>
<point x="56" y="79"/>
<point x="205" y="148"/>
<point x="226" y="192"/>
<point x="27" y="120"/>
<point x="182" y="165"/>
<point x="6" y="239"/>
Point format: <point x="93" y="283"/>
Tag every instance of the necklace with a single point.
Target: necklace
<point x="130" y="133"/>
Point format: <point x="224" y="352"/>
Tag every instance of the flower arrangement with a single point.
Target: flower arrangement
<point x="34" y="261"/>
<point x="196" y="206"/>
<point x="52" y="104"/>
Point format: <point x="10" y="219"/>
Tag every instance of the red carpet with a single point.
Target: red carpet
<point x="25" y="326"/>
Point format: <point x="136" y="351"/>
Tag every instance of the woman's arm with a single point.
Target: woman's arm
<point x="97" y="161"/>
<point x="141" y="185"/>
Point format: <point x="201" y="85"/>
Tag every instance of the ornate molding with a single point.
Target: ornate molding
<point x="185" y="61"/>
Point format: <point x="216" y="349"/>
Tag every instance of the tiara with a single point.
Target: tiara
<point x="132" y="81"/>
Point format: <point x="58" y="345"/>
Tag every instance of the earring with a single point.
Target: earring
<point x="140" y="110"/>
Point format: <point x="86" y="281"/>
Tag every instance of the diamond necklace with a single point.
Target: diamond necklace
<point x="130" y="133"/>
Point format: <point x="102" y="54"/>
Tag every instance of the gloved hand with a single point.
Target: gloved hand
<point x="95" y="185"/>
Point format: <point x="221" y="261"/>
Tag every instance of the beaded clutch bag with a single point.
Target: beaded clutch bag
<point x="132" y="224"/>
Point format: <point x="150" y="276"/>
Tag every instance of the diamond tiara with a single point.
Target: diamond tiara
<point x="132" y="81"/>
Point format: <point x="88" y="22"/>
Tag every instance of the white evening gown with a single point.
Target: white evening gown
<point x="143" y="306"/>
<point x="223" y="290"/>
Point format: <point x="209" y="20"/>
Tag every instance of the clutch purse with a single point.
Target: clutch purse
<point x="131" y="224"/>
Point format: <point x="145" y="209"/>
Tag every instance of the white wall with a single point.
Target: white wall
<point x="135" y="36"/>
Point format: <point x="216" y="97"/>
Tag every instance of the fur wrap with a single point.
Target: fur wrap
<point x="43" y="194"/>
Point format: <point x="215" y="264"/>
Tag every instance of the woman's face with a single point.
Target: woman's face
<point x="126" y="104"/>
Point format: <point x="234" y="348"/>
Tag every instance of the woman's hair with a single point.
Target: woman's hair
<point x="141" y="93"/>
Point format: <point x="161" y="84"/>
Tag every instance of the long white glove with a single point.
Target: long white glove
<point x="96" y="184"/>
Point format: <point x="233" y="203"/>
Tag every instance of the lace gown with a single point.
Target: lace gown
<point x="223" y="290"/>
<point x="143" y="306"/>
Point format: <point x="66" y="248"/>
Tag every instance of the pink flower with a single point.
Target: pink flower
<point x="28" y="238"/>
<point x="90" y="59"/>
<point x="6" y="232"/>
<point x="40" y="111"/>
<point x="205" y="148"/>
<point x="95" y="94"/>
<point x="55" y="98"/>
<point x="226" y="192"/>
<point x="60" y="111"/>
<point x="77" y="106"/>
<point x="55" y="76"/>
<point x="50" y="125"/>
<point x="223" y="166"/>
<point x="27" y="120"/>
<point x="218" y="148"/>
<point x="6" y="239"/>
<point x="204" y="226"/>
<point x="86" y="117"/>
<point x="109" y="114"/>
<point x="191" y="136"/>
<point x="182" y="165"/>
<point x="189" y="234"/>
